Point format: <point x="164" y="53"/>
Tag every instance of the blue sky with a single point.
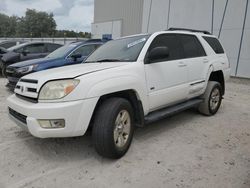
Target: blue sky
<point x="74" y="15"/>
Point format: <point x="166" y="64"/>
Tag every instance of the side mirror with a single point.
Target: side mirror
<point x="158" y="53"/>
<point x="25" y="52"/>
<point x="76" y="56"/>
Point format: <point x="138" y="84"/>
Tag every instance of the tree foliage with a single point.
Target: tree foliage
<point x="34" y="24"/>
<point x="8" y="25"/>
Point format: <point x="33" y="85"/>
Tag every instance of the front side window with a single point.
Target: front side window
<point x="192" y="46"/>
<point x="120" y="50"/>
<point x="19" y="50"/>
<point x="62" y="51"/>
<point x="85" y="50"/>
<point x="172" y="43"/>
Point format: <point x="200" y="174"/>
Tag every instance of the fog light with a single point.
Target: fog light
<point x="52" y="124"/>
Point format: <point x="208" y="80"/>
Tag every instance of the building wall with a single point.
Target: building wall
<point x="224" y="18"/>
<point x="128" y="12"/>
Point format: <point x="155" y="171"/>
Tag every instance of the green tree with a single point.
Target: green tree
<point x="36" y="24"/>
<point x="4" y="21"/>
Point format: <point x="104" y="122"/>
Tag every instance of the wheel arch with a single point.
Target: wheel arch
<point x="130" y="95"/>
<point x="218" y="76"/>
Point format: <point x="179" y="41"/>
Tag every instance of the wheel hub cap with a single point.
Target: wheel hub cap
<point x="122" y="128"/>
<point x="215" y="99"/>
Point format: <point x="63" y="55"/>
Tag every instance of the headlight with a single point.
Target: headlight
<point x="26" y="69"/>
<point x="57" y="89"/>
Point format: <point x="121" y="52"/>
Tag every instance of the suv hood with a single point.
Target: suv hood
<point x="71" y="71"/>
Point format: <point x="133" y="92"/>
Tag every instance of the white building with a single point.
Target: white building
<point x="228" y="19"/>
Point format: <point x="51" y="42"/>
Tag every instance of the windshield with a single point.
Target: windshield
<point x="61" y="52"/>
<point x="124" y="49"/>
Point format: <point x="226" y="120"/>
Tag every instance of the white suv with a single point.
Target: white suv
<point x="125" y="83"/>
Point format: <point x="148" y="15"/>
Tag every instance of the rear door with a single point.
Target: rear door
<point x="196" y="61"/>
<point x="166" y="78"/>
<point x="33" y="51"/>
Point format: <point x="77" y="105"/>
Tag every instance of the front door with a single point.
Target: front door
<point x="167" y="78"/>
<point x="33" y="51"/>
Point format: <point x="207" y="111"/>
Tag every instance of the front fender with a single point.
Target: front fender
<point x="117" y="84"/>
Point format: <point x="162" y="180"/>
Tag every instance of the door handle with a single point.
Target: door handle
<point x="205" y="60"/>
<point x="182" y="64"/>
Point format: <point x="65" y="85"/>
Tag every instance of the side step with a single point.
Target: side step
<point x="166" y="112"/>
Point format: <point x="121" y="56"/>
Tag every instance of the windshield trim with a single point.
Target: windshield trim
<point x="127" y="37"/>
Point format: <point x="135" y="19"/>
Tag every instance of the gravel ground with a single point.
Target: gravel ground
<point x="186" y="150"/>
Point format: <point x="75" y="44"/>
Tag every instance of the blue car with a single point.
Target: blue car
<point x="70" y="54"/>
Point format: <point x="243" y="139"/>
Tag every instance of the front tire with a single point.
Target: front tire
<point x="4" y="71"/>
<point x="113" y="128"/>
<point x="212" y="99"/>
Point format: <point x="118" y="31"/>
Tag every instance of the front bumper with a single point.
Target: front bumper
<point x="77" y="116"/>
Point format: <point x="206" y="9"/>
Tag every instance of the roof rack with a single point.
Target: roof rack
<point x="191" y="30"/>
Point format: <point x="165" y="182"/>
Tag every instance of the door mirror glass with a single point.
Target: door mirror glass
<point x="158" y="53"/>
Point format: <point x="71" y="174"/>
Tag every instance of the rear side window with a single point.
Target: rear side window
<point x="192" y="46"/>
<point x="173" y="44"/>
<point x="35" y="48"/>
<point x="52" y="47"/>
<point x="215" y="44"/>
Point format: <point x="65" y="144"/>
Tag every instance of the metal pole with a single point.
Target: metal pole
<point x="241" y="40"/>
<point x="169" y="9"/>
<point x="223" y="17"/>
<point x="149" y="15"/>
<point x="212" y="26"/>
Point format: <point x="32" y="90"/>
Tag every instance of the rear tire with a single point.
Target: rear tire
<point x="113" y="128"/>
<point x="212" y="99"/>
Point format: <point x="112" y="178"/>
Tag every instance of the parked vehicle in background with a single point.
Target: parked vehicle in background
<point x="10" y="43"/>
<point x="125" y="83"/>
<point x="26" y="51"/>
<point x="70" y="54"/>
<point x="2" y="51"/>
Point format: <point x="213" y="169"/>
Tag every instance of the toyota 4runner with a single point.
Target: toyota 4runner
<point x="126" y="83"/>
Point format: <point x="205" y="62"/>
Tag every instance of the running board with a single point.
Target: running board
<point x="166" y="112"/>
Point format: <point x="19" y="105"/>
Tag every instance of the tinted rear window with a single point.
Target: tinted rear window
<point x="215" y="44"/>
<point x="192" y="46"/>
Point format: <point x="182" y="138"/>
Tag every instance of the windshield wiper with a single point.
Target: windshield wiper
<point x="108" y="60"/>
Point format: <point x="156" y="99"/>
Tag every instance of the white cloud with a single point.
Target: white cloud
<point x="69" y="14"/>
<point x="82" y="15"/>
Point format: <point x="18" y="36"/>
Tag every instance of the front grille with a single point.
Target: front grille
<point x="29" y="99"/>
<point x="18" y="116"/>
<point x="31" y="90"/>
